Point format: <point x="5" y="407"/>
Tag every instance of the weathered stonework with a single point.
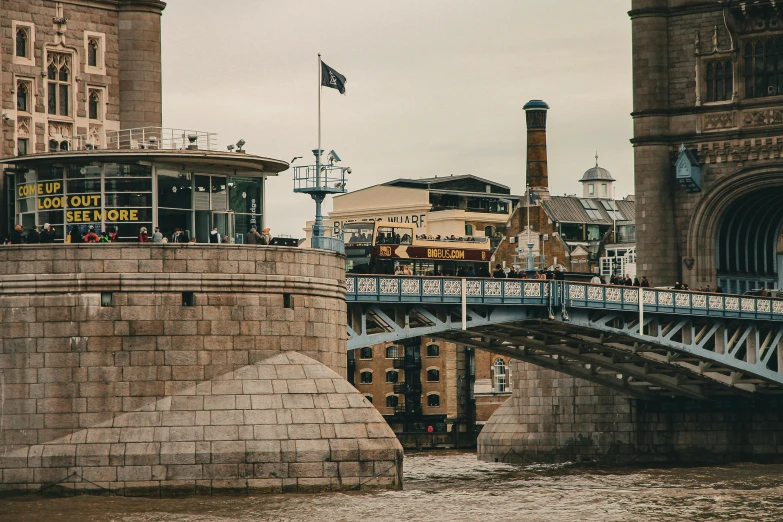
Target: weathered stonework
<point x="552" y="417"/>
<point x="109" y="381"/>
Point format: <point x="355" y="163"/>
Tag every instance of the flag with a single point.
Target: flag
<point x="331" y="78"/>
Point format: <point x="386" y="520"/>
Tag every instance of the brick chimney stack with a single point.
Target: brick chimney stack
<point x="536" y="173"/>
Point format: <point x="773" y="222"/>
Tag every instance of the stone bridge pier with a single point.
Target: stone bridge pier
<point x="553" y="417"/>
<point x="181" y="369"/>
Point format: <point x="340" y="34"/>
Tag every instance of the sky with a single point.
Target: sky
<point x="434" y="87"/>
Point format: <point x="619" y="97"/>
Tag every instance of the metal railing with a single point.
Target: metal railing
<point x="154" y="138"/>
<point x="445" y="290"/>
<point x="330" y="179"/>
<point x="335" y="244"/>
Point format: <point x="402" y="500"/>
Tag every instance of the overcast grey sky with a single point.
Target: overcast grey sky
<point x="435" y="87"/>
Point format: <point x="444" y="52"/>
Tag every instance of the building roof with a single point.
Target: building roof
<point x="596" y="173"/>
<point x="536" y="104"/>
<point x="571" y="209"/>
<point x="453" y="183"/>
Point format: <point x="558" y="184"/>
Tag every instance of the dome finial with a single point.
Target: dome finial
<point x="596" y="158"/>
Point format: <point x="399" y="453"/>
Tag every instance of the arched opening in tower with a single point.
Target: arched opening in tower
<point x="748" y="245"/>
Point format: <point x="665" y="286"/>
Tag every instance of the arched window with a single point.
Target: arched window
<point x="369" y="398"/>
<point x="433" y="400"/>
<point x="433" y="375"/>
<point x="22" y="42"/>
<point x="392" y="401"/>
<point x="94" y="105"/>
<point x="365" y="353"/>
<point x="763" y="68"/>
<point x="499" y="375"/>
<point x="53" y="146"/>
<point x="392" y="352"/>
<point x="64" y="145"/>
<point x="92" y="52"/>
<point x="433" y="350"/>
<point x="22" y="97"/>
<point x="365" y="377"/>
<point x="719" y="80"/>
<point x="392" y="376"/>
<point x="58" y="73"/>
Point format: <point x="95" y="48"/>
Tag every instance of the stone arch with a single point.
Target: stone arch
<point x="737" y="202"/>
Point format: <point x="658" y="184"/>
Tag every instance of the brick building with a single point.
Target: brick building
<point x="708" y="79"/>
<point x="423" y="382"/>
<point x="594" y="233"/>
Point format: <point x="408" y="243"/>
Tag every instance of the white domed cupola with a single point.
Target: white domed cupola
<point x="597" y="182"/>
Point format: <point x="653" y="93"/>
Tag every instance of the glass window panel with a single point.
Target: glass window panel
<point x="710" y="86"/>
<point x="202" y="184"/>
<point x="64" y="74"/>
<point x="52" y="98"/>
<point x="22" y="145"/>
<point x="83" y="171"/>
<point x="92" y="54"/>
<point x="124" y="199"/>
<point x="245" y="195"/>
<point x="169" y="220"/>
<point x="243" y="222"/>
<point x="118" y="215"/>
<point x="21" y="43"/>
<point x="52" y="72"/>
<point x="21" y="97"/>
<point x="64" y="100"/>
<point x="433" y="400"/>
<point x="175" y="189"/>
<point x="26" y="205"/>
<point x="93" y="106"/>
<point x="53" y="217"/>
<point x="128" y="170"/>
<point x="128" y="185"/>
<point x="80" y="186"/>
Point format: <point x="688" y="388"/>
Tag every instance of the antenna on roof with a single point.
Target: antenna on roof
<point x="596" y="158"/>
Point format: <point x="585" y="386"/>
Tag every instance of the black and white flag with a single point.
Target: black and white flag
<point x="331" y="78"/>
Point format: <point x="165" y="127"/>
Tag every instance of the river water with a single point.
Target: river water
<point x="454" y="486"/>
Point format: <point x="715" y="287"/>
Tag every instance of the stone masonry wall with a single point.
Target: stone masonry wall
<point x="244" y="390"/>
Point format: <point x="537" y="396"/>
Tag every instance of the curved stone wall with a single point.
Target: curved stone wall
<point x="112" y="377"/>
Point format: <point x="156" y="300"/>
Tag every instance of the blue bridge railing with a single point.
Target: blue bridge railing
<point x="445" y="290"/>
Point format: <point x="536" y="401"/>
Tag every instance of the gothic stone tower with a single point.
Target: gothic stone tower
<point x="708" y="76"/>
<point x="77" y="68"/>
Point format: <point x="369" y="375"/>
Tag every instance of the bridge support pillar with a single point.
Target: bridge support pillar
<point x="552" y="417"/>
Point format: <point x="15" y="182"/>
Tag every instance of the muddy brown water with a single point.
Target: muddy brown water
<point x="454" y="486"/>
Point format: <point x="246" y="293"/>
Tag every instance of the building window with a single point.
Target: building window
<point x="433" y="375"/>
<point x="763" y="68"/>
<point x="94" y="105"/>
<point x="93" y="50"/>
<point x="603" y="189"/>
<point x="365" y="353"/>
<point x="591" y="189"/>
<point x="22" y="146"/>
<point x="719" y="80"/>
<point x="499" y="375"/>
<point x="488" y="232"/>
<point x="392" y="401"/>
<point x="365" y="377"/>
<point x="468" y="229"/>
<point x="433" y="350"/>
<point x="369" y="398"/>
<point x="23" y="42"/>
<point x="22" y="97"/>
<point x="59" y="78"/>
<point x="392" y="376"/>
<point x="392" y="352"/>
<point x="433" y="400"/>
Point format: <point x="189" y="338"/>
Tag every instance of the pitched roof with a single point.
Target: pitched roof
<point x="571" y="209"/>
<point x="455" y="182"/>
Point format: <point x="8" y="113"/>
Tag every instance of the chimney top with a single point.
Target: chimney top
<point x="539" y="105"/>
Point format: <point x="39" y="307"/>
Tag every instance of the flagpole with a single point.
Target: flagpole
<point x="318" y="196"/>
<point x="320" y="80"/>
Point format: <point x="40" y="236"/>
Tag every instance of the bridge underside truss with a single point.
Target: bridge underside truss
<point x="673" y="355"/>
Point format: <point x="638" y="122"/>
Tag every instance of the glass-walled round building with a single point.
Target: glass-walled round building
<point x="127" y="189"/>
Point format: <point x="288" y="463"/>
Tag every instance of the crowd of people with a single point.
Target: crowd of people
<point x="48" y="234"/>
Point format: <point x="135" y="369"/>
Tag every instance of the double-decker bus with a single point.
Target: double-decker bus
<point x="393" y="248"/>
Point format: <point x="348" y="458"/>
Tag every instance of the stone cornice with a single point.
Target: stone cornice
<point x="156" y="6"/>
<point x="705" y="7"/>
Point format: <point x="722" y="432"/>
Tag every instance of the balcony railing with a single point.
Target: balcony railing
<point x="406" y="388"/>
<point x="407" y="362"/>
<point x="153" y="138"/>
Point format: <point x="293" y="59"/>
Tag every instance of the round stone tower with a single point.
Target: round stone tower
<point x="140" y="63"/>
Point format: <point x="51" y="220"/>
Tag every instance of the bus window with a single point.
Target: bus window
<point x="394" y="236"/>
<point x="359" y="233"/>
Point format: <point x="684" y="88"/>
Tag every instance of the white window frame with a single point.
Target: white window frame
<point x="397" y="346"/>
<point x="101" y="39"/>
<point x="30" y="59"/>
<point x="591" y="189"/>
<point x="101" y="102"/>
<point x="499" y="378"/>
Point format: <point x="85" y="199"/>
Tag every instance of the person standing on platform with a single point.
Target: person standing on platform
<point x="47" y="234"/>
<point x="645" y="283"/>
<point x="143" y="236"/>
<point x="499" y="273"/>
<point x="214" y="236"/>
<point x="157" y="237"/>
<point x="267" y="233"/>
<point x="91" y="236"/>
<point x="33" y="237"/>
<point x="253" y="237"/>
<point x="17" y="235"/>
